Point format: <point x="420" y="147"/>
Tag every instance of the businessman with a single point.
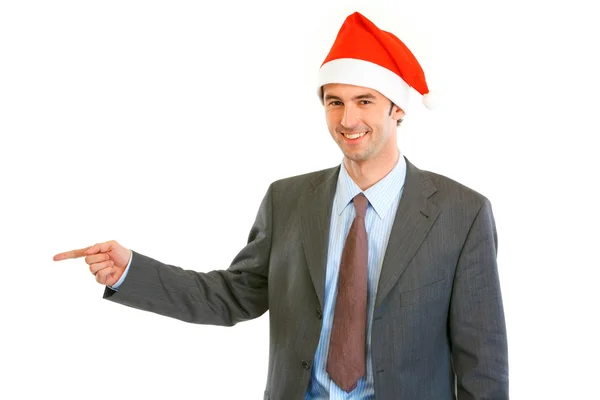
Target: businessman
<point x="380" y="278"/>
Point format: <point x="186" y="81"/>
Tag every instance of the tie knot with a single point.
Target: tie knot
<point x="360" y="205"/>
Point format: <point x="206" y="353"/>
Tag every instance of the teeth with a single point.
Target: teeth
<point x="355" y="135"/>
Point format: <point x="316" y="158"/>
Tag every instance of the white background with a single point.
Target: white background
<point x="161" y="124"/>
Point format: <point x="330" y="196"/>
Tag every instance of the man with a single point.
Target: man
<point x="380" y="278"/>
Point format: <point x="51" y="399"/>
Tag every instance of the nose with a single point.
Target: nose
<point x="351" y="117"/>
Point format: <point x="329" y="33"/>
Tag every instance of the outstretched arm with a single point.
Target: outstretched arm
<point x="219" y="297"/>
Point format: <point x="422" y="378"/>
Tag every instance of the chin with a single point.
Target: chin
<point x="356" y="157"/>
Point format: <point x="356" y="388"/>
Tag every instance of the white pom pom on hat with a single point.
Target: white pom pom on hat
<point x="364" y="55"/>
<point x="430" y="101"/>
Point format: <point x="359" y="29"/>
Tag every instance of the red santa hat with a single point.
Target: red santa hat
<point x="364" y="55"/>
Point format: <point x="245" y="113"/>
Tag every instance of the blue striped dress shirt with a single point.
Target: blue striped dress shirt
<point x="384" y="198"/>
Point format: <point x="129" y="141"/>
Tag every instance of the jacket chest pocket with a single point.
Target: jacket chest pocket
<point x="422" y="294"/>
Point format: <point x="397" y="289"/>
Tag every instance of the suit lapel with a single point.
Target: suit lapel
<point x="315" y="208"/>
<point x="414" y="217"/>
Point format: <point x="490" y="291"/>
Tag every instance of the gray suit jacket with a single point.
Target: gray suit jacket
<point x="438" y="330"/>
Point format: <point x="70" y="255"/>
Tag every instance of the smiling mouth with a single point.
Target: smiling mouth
<point x="353" y="136"/>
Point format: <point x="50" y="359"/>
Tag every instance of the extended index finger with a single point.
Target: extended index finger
<point x="70" y="254"/>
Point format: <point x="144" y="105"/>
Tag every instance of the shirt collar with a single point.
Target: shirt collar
<point x="381" y="196"/>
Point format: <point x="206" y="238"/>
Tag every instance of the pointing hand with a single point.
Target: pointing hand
<point x="107" y="260"/>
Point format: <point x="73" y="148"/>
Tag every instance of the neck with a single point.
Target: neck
<point x="367" y="173"/>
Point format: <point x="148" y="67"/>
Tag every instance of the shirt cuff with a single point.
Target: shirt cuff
<point x="115" y="287"/>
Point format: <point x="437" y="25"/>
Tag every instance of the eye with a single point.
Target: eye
<point x="335" y="103"/>
<point x="365" y="102"/>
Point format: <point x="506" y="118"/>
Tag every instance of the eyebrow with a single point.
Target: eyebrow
<point x="368" y="96"/>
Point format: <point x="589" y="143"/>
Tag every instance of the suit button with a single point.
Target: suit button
<point x="319" y="314"/>
<point x="305" y="364"/>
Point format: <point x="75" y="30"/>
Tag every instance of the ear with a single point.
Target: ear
<point x="397" y="113"/>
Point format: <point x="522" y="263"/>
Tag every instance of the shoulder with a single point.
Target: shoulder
<point x="450" y="193"/>
<point x="298" y="184"/>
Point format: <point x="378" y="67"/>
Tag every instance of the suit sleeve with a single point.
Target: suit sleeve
<point x="476" y="321"/>
<point x="219" y="297"/>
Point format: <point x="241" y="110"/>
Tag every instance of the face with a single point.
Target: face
<point x="359" y="121"/>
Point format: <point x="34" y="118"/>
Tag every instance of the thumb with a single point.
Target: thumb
<point x="100" y="248"/>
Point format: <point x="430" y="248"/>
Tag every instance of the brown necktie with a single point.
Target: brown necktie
<point x="346" y="359"/>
